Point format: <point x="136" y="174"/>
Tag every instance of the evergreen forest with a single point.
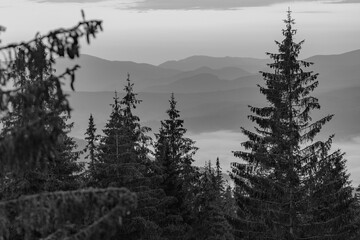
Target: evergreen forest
<point x="287" y="184"/>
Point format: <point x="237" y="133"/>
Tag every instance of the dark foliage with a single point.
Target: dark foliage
<point x="209" y="202"/>
<point x="82" y="214"/>
<point x="288" y="186"/>
<point x="124" y="162"/>
<point x="91" y="147"/>
<point x="174" y="153"/>
<point x="287" y="189"/>
<point x="29" y="66"/>
<point x="36" y="153"/>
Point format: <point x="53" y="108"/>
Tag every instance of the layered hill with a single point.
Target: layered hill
<point x="213" y="95"/>
<point x="96" y="74"/>
<point x="200" y="74"/>
<point x="252" y="65"/>
<point x="209" y="98"/>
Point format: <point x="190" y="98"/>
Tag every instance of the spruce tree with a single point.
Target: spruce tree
<point x="123" y="150"/>
<point x="220" y="183"/>
<point x="64" y="172"/>
<point x="106" y="168"/>
<point x="174" y="153"/>
<point x="227" y="196"/>
<point x="33" y="139"/>
<point x="124" y="162"/>
<point x="91" y="146"/>
<point x="137" y="140"/>
<point x="280" y="190"/>
<point x="61" y="172"/>
<point x="210" y="218"/>
<point x="331" y="200"/>
<point x="229" y="205"/>
<point x="356" y="212"/>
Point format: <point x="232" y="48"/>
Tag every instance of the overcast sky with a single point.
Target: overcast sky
<point x="154" y="31"/>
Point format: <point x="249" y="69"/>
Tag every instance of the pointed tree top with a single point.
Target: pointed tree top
<point x="173" y="112"/>
<point x="116" y="98"/>
<point x="115" y="105"/>
<point x="218" y="167"/>
<point x="209" y="165"/>
<point x="172" y="101"/>
<point x="217" y="162"/>
<point x="129" y="85"/>
<point x="289" y="20"/>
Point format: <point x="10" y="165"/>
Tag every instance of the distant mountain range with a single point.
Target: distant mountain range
<point x="252" y="65"/>
<point x="212" y="93"/>
<point x="202" y="73"/>
<point x="205" y="82"/>
<point x="98" y="74"/>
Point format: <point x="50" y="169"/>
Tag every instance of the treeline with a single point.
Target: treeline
<point x="286" y="186"/>
<point x="175" y="199"/>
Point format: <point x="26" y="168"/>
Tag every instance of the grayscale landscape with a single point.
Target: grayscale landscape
<point x="213" y="95"/>
<point x="180" y="119"/>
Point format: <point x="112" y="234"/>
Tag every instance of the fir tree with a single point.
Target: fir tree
<point x="211" y="222"/>
<point x="356" y="212"/>
<point x="60" y="172"/>
<point x="123" y="150"/>
<point x="220" y="183"/>
<point x="124" y="162"/>
<point x="229" y="205"/>
<point x="64" y="172"/>
<point x="174" y="153"/>
<point x="91" y="146"/>
<point x="34" y="140"/>
<point x="279" y="189"/>
<point x="105" y="168"/>
<point x="331" y="199"/>
<point x="226" y="192"/>
<point x="138" y="140"/>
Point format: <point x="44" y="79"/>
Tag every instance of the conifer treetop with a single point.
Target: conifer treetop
<point x="81" y="214"/>
<point x="173" y="112"/>
<point x="130" y="101"/>
<point x="285" y="169"/>
<point x="116" y="103"/>
<point x="31" y="59"/>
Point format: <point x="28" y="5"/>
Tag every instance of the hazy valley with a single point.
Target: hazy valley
<point x="213" y="95"/>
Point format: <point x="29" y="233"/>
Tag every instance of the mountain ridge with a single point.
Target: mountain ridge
<point x="221" y="109"/>
<point x="98" y="74"/>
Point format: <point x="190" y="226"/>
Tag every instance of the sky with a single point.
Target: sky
<point x="154" y="31"/>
